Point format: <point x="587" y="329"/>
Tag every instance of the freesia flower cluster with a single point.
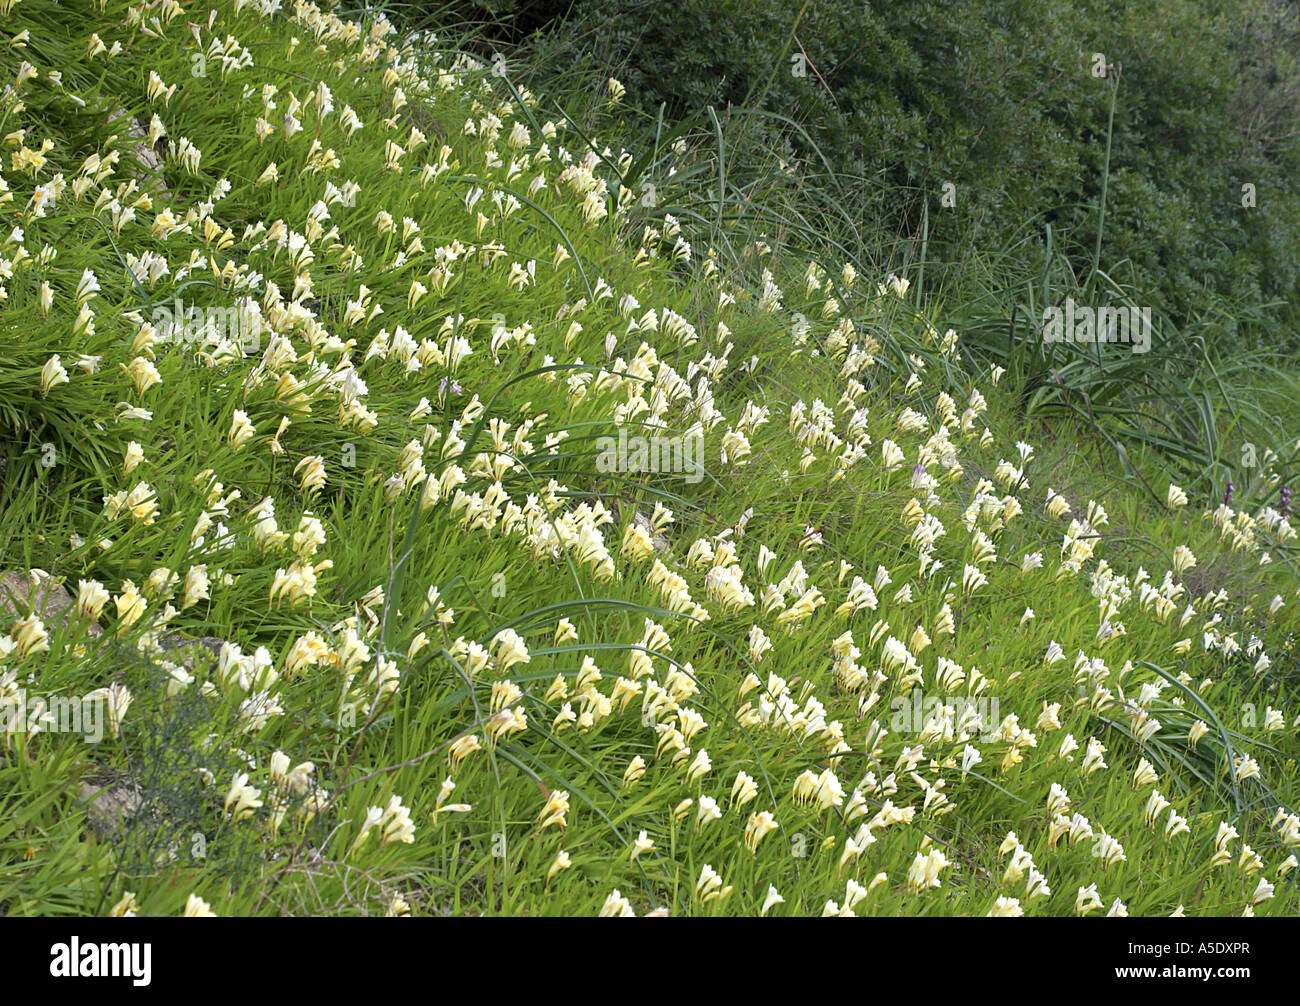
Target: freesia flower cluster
<point x="884" y="659"/>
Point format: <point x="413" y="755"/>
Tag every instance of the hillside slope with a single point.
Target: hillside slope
<point x="442" y="533"/>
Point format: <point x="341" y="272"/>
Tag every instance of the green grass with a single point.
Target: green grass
<point x="431" y="579"/>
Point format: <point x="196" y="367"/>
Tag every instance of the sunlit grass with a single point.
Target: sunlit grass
<point x="458" y="668"/>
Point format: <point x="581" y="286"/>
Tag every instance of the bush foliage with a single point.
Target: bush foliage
<point x="1003" y="102"/>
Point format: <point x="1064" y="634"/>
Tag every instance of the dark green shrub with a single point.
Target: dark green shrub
<point x="1000" y="100"/>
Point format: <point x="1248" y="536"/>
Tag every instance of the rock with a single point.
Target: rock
<point x="112" y="802"/>
<point x="35" y="592"/>
<point x="643" y="522"/>
<point x="186" y="651"/>
<point x="145" y="154"/>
